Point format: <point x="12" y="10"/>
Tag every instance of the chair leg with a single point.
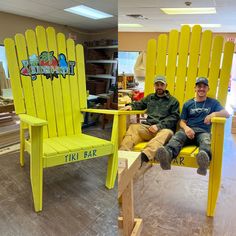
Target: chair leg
<point x="22" y="145"/>
<point x="215" y="168"/>
<point x="113" y="159"/>
<point x="36" y="167"/>
<point x="112" y="170"/>
<point x="213" y="187"/>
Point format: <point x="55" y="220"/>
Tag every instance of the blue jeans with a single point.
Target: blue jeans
<point x="202" y="139"/>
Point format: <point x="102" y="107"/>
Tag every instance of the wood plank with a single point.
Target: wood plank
<point x="205" y="53"/>
<point x="193" y="62"/>
<point x="47" y="87"/>
<point x="65" y="84"/>
<point x="138" y="225"/>
<point x="172" y="56"/>
<point x="56" y="85"/>
<point x="182" y="64"/>
<point x="37" y="84"/>
<point x="81" y="75"/>
<point x="77" y="117"/>
<point x="7" y="108"/>
<point x="150" y="67"/>
<point x="3" y="80"/>
<point x="128" y="209"/>
<point x="215" y="66"/>
<point x="225" y="72"/>
<point x="10" y="149"/>
<point x="125" y="177"/>
<point x="161" y="54"/>
<point x="25" y="80"/>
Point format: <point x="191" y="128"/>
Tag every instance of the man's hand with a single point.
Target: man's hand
<point x="207" y="119"/>
<point x="189" y="132"/>
<point x="153" y="129"/>
<point x="126" y="108"/>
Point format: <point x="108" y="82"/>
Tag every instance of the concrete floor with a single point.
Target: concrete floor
<point x="174" y="202"/>
<point x="75" y="199"/>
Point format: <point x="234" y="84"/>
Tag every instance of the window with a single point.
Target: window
<point x="3" y="59"/>
<point x="126" y="62"/>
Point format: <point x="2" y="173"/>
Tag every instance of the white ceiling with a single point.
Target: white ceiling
<point x="52" y="11"/>
<point x="159" y="22"/>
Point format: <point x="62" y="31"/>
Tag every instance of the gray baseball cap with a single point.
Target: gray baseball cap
<point x="160" y="78"/>
<point x="203" y="80"/>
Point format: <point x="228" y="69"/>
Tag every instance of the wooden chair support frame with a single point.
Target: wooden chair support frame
<point x="127" y="168"/>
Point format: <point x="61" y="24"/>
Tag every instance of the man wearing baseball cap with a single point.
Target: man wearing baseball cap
<point x="161" y="121"/>
<point x="195" y="127"/>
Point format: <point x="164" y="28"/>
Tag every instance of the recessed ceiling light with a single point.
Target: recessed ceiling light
<point x="205" y="25"/>
<point x="88" y="12"/>
<point x="189" y="10"/>
<point x="129" y="26"/>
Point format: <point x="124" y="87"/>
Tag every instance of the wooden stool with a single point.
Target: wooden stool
<point x="128" y="164"/>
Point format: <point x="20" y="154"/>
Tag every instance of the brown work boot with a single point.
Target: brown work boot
<point x="163" y="156"/>
<point x="203" y="162"/>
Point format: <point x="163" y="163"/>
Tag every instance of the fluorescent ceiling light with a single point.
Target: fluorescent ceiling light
<point x="129" y="26"/>
<point x="205" y="25"/>
<point x="189" y="10"/>
<point x="88" y="12"/>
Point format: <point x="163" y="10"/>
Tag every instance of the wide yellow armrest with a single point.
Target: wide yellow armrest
<point x="220" y="120"/>
<point x="113" y="112"/>
<point x="100" y="111"/>
<point x="132" y="112"/>
<point x="32" y="121"/>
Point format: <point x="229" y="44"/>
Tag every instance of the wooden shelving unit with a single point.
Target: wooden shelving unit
<point x="105" y="59"/>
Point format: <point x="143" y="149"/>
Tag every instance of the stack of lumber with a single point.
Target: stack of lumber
<point x="4" y="82"/>
<point x="9" y="130"/>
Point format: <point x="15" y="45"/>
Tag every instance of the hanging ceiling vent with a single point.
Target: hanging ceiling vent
<point x="137" y="16"/>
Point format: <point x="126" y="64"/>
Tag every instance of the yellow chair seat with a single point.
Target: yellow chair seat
<point x="186" y="156"/>
<point x="65" y="149"/>
<point x="186" y="151"/>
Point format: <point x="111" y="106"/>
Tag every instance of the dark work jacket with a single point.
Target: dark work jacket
<point x="162" y="111"/>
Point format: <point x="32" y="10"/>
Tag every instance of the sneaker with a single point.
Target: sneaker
<point x="163" y="156"/>
<point x="203" y="162"/>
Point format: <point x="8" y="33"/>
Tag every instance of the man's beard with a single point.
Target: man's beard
<point x="160" y="92"/>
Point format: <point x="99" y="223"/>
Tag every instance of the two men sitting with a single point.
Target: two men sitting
<point x="162" y="118"/>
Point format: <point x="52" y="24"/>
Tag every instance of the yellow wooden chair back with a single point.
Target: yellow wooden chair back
<point x="185" y="55"/>
<point x="48" y="80"/>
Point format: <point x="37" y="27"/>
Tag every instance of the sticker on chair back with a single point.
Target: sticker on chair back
<point x="71" y="157"/>
<point x="48" y="65"/>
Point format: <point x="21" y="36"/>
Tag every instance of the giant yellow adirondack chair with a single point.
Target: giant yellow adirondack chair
<point x="48" y="83"/>
<point x="182" y="57"/>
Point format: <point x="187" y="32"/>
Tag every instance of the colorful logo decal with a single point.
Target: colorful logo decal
<point x="48" y="65"/>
